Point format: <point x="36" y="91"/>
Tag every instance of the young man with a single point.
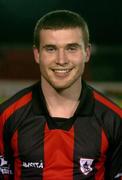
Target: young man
<point x="60" y="128"/>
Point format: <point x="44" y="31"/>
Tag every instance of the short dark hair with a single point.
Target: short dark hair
<point x="61" y="19"/>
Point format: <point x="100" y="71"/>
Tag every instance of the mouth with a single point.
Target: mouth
<point x="62" y="72"/>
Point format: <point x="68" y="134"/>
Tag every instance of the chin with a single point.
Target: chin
<point x="61" y="86"/>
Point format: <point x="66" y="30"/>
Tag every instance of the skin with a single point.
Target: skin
<point x="61" y="57"/>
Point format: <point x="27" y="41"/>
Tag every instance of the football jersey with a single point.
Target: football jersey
<point x="36" y="146"/>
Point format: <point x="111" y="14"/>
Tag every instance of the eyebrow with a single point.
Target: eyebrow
<point x="49" y="45"/>
<point x="74" y="44"/>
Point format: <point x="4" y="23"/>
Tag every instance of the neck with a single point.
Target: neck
<point x="61" y="103"/>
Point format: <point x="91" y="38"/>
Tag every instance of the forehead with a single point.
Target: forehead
<point x="53" y="36"/>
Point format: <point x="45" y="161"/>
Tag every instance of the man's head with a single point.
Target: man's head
<point x="61" y="48"/>
<point x="61" y="19"/>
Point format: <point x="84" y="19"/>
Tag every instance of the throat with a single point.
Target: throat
<point x="62" y="110"/>
<point x="63" y="103"/>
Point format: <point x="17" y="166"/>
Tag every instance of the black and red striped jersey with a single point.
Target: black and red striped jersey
<point x="36" y="146"/>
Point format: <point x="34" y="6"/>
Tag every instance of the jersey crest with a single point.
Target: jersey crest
<point x="86" y="165"/>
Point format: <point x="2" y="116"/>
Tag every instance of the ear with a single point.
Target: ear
<point x="88" y="52"/>
<point x="36" y="54"/>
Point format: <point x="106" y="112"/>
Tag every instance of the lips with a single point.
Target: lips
<point x="61" y="72"/>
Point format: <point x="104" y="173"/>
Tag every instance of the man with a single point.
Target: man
<point x="61" y="128"/>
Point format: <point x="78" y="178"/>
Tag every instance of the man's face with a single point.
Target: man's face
<point x="62" y="57"/>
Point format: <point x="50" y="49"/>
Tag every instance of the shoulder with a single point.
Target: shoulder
<point x="16" y="102"/>
<point x="107" y="113"/>
<point x="103" y="104"/>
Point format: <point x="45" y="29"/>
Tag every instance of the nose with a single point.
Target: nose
<point x="61" y="57"/>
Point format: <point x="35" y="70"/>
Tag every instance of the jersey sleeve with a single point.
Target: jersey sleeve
<point x="116" y="161"/>
<point x="5" y="170"/>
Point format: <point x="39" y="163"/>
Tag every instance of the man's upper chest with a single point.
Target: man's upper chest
<point x="35" y="138"/>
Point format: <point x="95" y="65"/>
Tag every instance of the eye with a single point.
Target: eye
<point x="50" y="48"/>
<point x="73" y="48"/>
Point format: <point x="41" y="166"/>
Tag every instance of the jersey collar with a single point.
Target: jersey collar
<point x="85" y="107"/>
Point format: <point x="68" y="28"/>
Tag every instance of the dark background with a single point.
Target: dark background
<point x="17" y="21"/>
<point x="18" y="18"/>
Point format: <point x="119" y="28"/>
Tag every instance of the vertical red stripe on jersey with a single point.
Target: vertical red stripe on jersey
<point x="108" y="103"/>
<point x="9" y="111"/>
<point x="17" y="163"/>
<point x="58" y="154"/>
<point x="100" y="165"/>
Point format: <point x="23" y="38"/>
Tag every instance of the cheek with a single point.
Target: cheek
<point x="43" y="59"/>
<point x="46" y="60"/>
<point x="76" y="58"/>
<point x="43" y="66"/>
<point x="78" y="62"/>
